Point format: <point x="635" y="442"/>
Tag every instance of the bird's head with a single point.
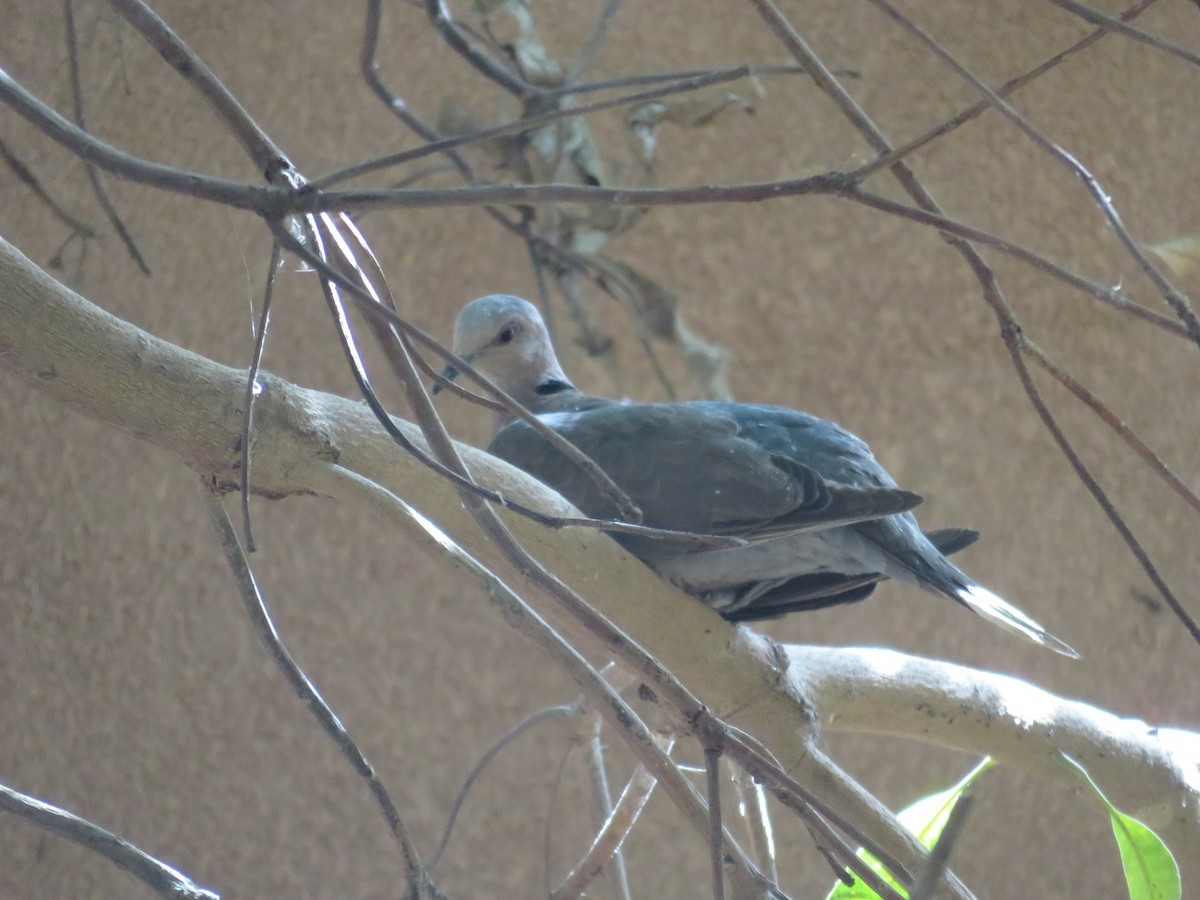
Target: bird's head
<point x="504" y="338"/>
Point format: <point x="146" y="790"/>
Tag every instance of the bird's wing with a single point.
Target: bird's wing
<point x="690" y="468"/>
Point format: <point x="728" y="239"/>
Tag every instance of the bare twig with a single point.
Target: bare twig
<point x="1009" y="87"/>
<point x="109" y="158"/>
<point x="611" y="835"/>
<point x="712" y="781"/>
<point x="1088" y="14"/>
<point x="602" y="803"/>
<point x="1014" y="339"/>
<point x="752" y="802"/>
<point x="949" y="226"/>
<point x="453" y="34"/>
<point x="368" y="65"/>
<point x="106" y="204"/>
<point x="419" y="884"/>
<point x="528" y="123"/>
<point x="25" y="175"/>
<point x="269" y="159"/>
<point x="252" y="389"/>
<point x="528" y="723"/>
<point x="158" y="875"/>
<point x="939" y="856"/>
<point x="1109" y="418"/>
<point x="591" y="46"/>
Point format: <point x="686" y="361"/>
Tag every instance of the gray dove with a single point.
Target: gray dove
<point x="822" y="522"/>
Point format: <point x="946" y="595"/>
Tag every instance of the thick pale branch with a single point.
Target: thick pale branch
<point x="1152" y="773"/>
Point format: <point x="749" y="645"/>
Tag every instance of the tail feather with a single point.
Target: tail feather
<point x="997" y="609"/>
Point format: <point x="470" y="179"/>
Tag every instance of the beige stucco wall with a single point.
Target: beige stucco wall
<point x="131" y="689"/>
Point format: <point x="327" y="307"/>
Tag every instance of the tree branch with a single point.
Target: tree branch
<point x="1151" y="773"/>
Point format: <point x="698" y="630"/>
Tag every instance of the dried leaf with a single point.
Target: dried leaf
<point x="535" y="63"/>
<point x="695" y="111"/>
<point x="655" y="311"/>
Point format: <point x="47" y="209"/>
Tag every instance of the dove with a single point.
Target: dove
<point x="819" y="520"/>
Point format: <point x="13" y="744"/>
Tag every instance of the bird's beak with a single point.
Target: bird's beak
<point x="449" y="373"/>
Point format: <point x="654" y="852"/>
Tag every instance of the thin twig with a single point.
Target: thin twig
<point x="939" y="855"/>
<point x="368" y="65"/>
<point x="1014" y="339"/>
<point x="1088" y="14"/>
<point x="597" y="777"/>
<point x="1109" y="418"/>
<point x="106" y="204"/>
<point x="591" y="46"/>
<point x="91" y="149"/>
<point x="611" y="835"/>
<point x="548" y="829"/>
<point x="268" y="158"/>
<point x="949" y="226"/>
<point x="629" y="81"/>
<point x="25" y="175"/>
<point x="164" y="879"/>
<point x="528" y="123"/>
<point x="540" y="194"/>
<point x="453" y="34"/>
<point x="712" y="781"/>
<point x="1011" y="86"/>
<point x="527" y="724"/>
<point x="419" y="884"/>
<point x="752" y="801"/>
<point x="252" y="389"/>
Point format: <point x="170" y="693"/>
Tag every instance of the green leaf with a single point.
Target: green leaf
<point x="925" y="818"/>
<point x="1151" y="872"/>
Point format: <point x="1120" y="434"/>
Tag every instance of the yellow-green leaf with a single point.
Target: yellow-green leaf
<point x="925" y="818"/>
<point x="1151" y="872"/>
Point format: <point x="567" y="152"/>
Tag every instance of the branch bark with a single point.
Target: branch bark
<point x="1151" y="773"/>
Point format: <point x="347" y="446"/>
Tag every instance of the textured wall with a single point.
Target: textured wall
<point x="131" y="689"/>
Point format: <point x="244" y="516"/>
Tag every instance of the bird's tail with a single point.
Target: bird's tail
<point x="1004" y="614"/>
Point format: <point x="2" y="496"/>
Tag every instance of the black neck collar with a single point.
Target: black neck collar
<point x="554" y="386"/>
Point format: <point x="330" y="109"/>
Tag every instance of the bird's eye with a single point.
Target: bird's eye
<point x="507" y="334"/>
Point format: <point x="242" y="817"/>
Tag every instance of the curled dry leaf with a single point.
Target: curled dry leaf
<point x="696" y="111"/>
<point x="529" y="53"/>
